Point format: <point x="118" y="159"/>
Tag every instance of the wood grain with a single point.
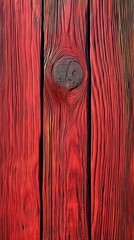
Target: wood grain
<point x="65" y="188"/>
<point x="112" y="167"/>
<point x="19" y="119"/>
<point x="65" y="123"/>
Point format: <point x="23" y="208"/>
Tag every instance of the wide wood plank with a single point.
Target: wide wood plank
<point x="65" y="121"/>
<point x="20" y="27"/>
<point x="112" y="167"/>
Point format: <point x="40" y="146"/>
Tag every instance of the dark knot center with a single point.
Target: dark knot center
<point x="68" y="72"/>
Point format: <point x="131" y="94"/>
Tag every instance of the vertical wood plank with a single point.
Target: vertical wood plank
<point x="65" y="120"/>
<point x="112" y="168"/>
<point x="20" y="23"/>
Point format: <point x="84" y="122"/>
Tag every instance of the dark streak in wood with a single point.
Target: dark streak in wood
<point x="125" y="11"/>
<point x="2" y="41"/>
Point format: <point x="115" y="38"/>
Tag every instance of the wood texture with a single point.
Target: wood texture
<point x="112" y="165"/>
<point x="53" y="203"/>
<point x="65" y="124"/>
<point x="19" y="119"/>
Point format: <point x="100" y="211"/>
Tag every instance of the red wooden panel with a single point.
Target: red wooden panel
<point x="19" y="119"/>
<point x="65" y="188"/>
<point x="112" y="168"/>
<point x="65" y="121"/>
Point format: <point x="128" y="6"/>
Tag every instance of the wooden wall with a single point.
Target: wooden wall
<point x="66" y="119"/>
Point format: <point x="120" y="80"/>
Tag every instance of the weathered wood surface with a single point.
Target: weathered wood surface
<point x="112" y="163"/>
<point x="65" y="121"/>
<point x="65" y="194"/>
<point x="19" y="119"/>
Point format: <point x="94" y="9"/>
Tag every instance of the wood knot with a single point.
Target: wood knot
<point x="68" y="72"/>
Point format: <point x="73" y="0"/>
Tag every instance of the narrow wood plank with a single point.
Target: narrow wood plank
<point x="20" y="24"/>
<point x="112" y="169"/>
<point x="65" y="121"/>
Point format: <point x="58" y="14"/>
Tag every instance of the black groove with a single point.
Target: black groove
<point x="88" y="200"/>
<point x="41" y="117"/>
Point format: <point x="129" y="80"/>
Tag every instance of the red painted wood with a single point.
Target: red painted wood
<point x="65" y="187"/>
<point x="65" y="124"/>
<point x="112" y="165"/>
<point x="19" y="119"/>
